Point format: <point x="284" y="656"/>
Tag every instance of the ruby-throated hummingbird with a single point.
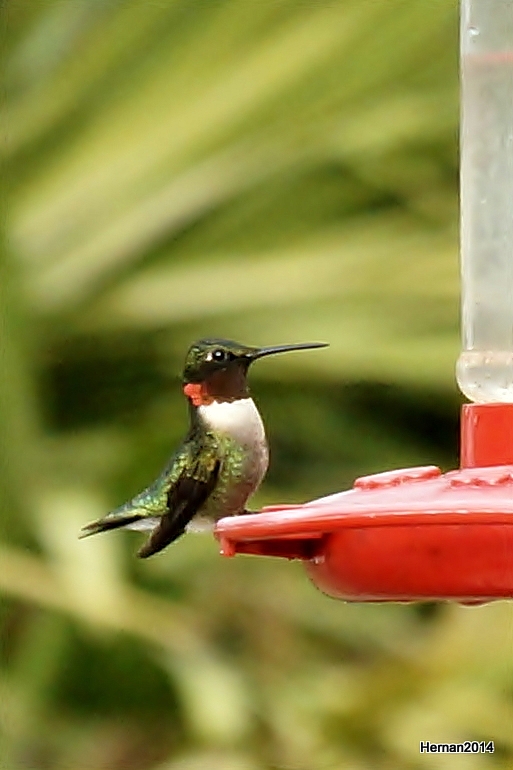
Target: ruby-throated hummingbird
<point x="222" y="459"/>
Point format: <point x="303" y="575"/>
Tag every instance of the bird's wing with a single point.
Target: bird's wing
<point x="193" y="478"/>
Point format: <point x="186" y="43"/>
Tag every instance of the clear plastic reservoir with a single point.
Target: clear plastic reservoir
<point x="485" y="367"/>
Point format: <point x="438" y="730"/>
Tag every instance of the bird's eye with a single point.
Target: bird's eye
<point x="219" y="355"/>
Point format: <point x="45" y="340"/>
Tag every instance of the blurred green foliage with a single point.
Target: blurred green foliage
<point x="267" y="170"/>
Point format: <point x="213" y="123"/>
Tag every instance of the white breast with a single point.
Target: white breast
<point x="238" y="419"/>
<point x="244" y="439"/>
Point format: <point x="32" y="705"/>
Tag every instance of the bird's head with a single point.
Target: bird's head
<point x="216" y="369"/>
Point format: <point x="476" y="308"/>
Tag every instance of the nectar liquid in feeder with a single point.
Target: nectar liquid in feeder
<point x="485" y="367"/>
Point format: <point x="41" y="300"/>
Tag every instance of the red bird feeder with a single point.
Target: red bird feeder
<point x="417" y="534"/>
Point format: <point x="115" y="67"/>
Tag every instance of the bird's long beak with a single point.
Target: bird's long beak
<point x="261" y="352"/>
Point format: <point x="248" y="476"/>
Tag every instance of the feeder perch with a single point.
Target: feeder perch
<point x="417" y="534"/>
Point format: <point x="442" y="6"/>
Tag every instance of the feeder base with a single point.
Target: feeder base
<point x="407" y="535"/>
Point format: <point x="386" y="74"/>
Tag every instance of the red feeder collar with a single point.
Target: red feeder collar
<point x="486" y="435"/>
<point x="406" y="535"/>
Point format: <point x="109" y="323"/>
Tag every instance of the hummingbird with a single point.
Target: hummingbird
<point x="222" y="459"/>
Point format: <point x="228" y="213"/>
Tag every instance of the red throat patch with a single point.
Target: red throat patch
<point x="223" y="385"/>
<point x="196" y="393"/>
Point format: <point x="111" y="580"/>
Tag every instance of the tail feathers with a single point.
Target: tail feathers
<point x="112" y="521"/>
